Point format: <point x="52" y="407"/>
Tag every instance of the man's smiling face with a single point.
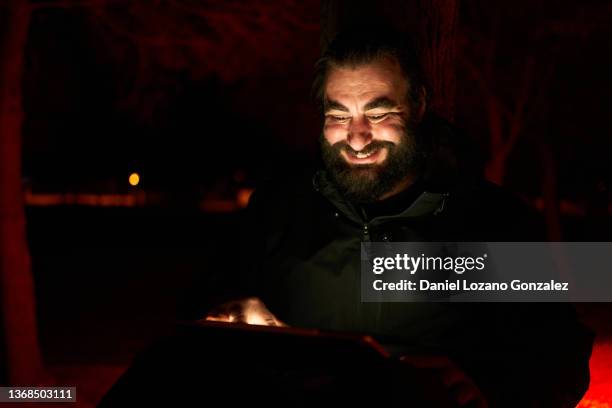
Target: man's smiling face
<point x="368" y="144"/>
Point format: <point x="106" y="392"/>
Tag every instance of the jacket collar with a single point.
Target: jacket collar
<point x="427" y="203"/>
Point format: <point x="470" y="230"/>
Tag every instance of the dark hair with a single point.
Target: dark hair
<point x="362" y="45"/>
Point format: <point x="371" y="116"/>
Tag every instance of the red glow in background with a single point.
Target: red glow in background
<point x="202" y="98"/>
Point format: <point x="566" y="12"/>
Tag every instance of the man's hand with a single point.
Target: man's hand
<point x="249" y="310"/>
<point x="460" y="388"/>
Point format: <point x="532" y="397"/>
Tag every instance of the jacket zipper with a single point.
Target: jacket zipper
<point x="366" y="233"/>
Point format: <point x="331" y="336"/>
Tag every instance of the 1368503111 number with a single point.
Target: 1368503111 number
<point x="32" y="394"/>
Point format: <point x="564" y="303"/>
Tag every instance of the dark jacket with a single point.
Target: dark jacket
<point x="301" y="254"/>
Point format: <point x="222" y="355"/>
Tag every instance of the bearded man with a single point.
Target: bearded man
<point x="392" y="171"/>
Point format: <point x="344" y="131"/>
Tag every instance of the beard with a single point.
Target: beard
<point x="367" y="183"/>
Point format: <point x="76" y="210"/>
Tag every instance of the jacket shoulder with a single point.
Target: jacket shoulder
<point x="497" y="212"/>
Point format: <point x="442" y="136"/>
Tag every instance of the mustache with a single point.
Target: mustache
<point x="369" y="148"/>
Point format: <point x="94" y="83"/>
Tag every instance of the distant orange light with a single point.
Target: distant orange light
<point x="243" y="197"/>
<point x="134" y="179"/>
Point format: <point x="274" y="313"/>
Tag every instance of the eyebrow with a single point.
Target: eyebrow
<point x="381" y="102"/>
<point x="330" y="104"/>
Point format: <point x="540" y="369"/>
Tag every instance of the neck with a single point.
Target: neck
<point x="399" y="187"/>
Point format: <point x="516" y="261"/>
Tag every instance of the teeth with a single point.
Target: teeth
<point x="363" y="155"/>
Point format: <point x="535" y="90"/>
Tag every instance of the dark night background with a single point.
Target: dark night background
<point x="202" y="99"/>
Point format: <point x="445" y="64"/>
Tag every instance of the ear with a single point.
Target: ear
<point x="422" y="104"/>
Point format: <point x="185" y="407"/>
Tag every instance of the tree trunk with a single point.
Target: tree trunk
<point x="431" y="24"/>
<point x="552" y="214"/>
<point x="495" y="169"/>
<point x="18" y="296"/>
<point x="438" y="20"/>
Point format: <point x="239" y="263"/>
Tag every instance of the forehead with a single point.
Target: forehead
<point x="380" y="77"/>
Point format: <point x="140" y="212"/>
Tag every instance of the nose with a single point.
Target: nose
<point x="359" y="133"/>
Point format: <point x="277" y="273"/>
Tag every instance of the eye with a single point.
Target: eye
<point x="338" y="119"/>
<point x="377" y="118"/>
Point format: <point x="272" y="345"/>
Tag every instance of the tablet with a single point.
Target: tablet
<point x="295" y="346"/>
<point x="275" y="366"/>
